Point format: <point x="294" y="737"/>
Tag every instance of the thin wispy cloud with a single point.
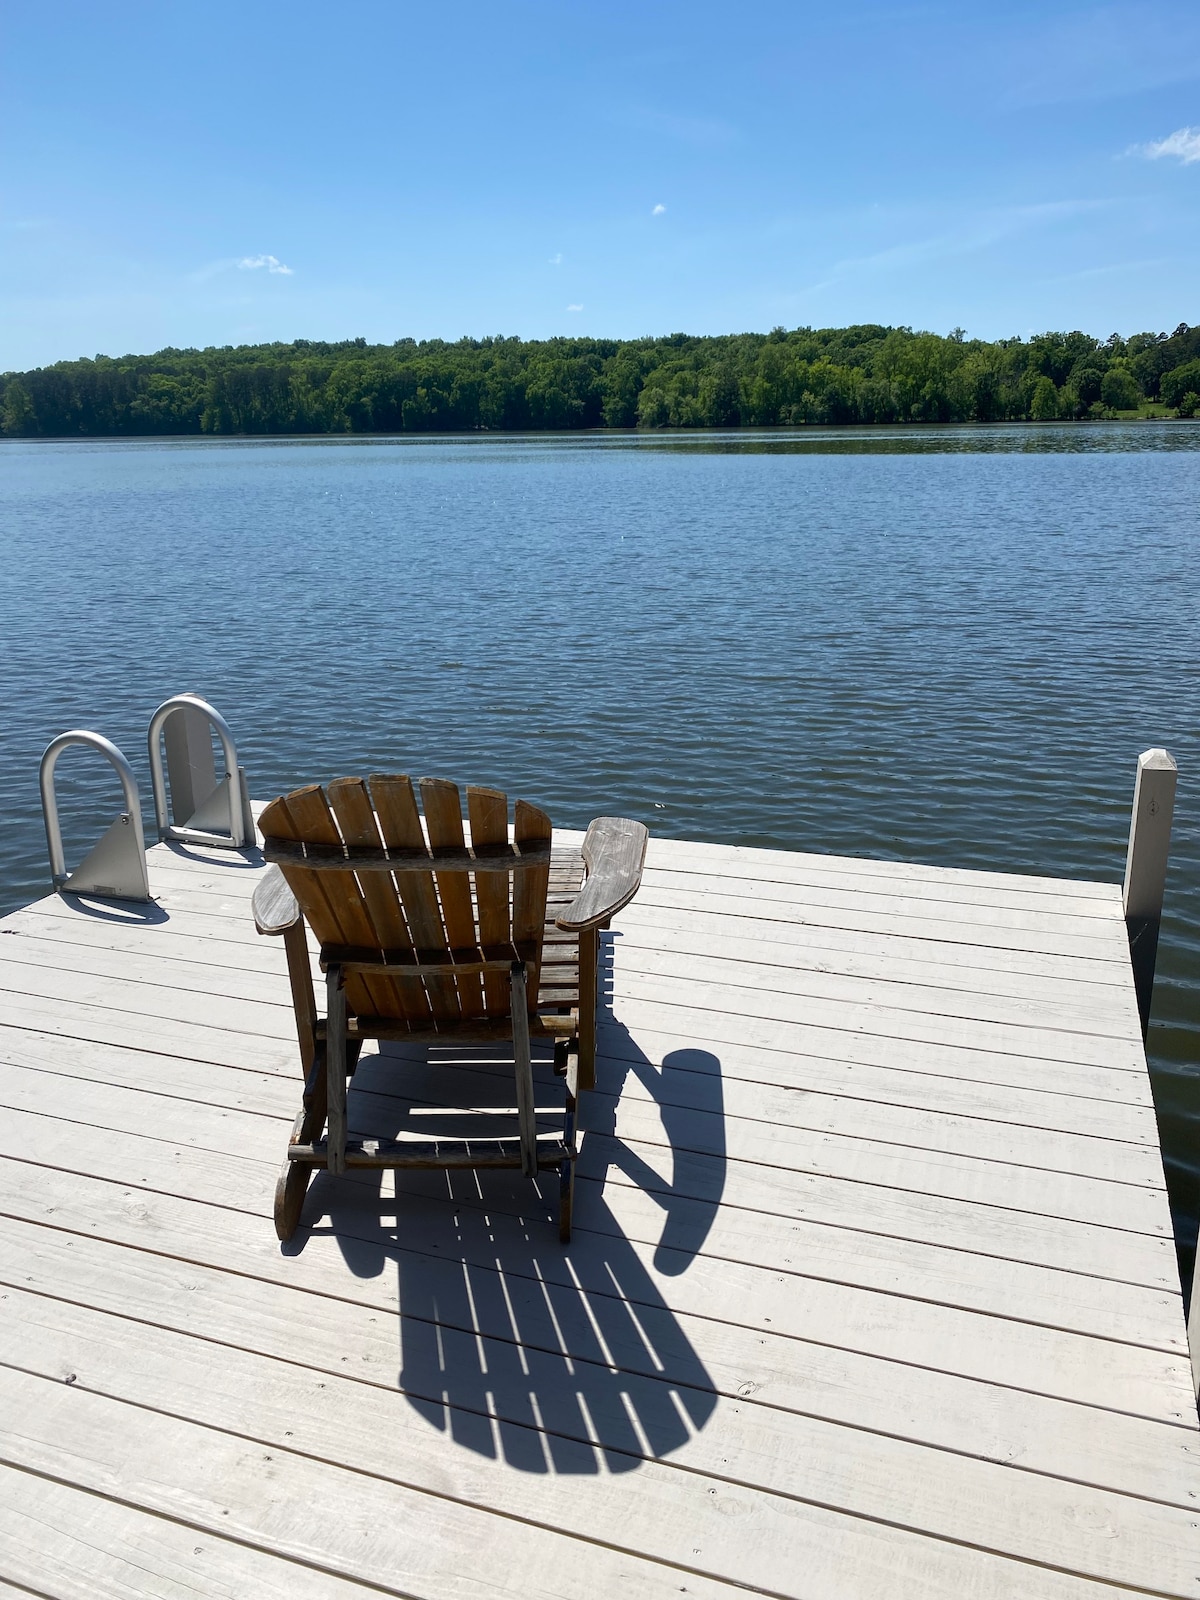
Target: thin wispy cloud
<point x="557" y="260"/>
<point x="975" y="233"/>
<point x="658" y="211"/>
<point x="1183" y="144"/>
<point x="1094" y="52"/>
<point x="705" y="133"/>
<point x="1149" y="265"/>
<point x="574" y="308"/>
<point x="258" y="263"/>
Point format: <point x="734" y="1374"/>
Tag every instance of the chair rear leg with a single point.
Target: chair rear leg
<point x="336" y="1070"/>
<point x="566" y="1167"/>
<point x="523" y="1068"/>
<point x="566" y="1197"/>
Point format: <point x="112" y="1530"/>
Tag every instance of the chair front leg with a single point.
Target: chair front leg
<point x="335" y="1073"/>
<point x="589" y="961"/>
<point x="304" y="1001"/>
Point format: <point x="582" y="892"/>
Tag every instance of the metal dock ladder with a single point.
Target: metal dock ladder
<point x="204" y="809"/>
<point x="115" y="866"/>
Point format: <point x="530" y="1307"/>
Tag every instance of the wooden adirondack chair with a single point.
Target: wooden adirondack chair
<point x="424" y="936"/>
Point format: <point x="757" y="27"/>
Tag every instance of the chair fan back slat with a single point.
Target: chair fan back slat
<point x="334" y="906"/>
<point x="350" y="802"/>
<point x="400" y="825"/>
<point x="530" y="888"/>
<point x="443" y="820"/>
<point x="430" y="913"/>
<point x="487" y="810"/>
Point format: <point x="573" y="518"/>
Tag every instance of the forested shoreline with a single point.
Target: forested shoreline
<point x="788" y="378"/>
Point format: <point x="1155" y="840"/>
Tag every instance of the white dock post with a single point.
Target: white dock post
<point x="1146" y="867"/>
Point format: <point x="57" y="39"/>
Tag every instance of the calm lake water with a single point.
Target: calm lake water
<point x="946" y="645"/>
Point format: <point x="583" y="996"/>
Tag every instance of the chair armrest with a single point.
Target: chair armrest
<point x="274" y="905"/>
<point x="614" y="849"/>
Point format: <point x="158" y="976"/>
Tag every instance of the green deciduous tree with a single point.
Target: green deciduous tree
<point x="17" y="416"/>
<point x="1174" y="385"/>
<point x="862" y="374"/>
<point x="1044" y="405"/>
<point x="1119" y="389"/>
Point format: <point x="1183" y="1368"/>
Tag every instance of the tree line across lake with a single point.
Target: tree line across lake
<point x="788" y="377"/>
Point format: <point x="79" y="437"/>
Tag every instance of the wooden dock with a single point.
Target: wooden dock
<point x="872" y="1294"/>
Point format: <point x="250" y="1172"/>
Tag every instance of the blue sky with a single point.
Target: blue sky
<point x="227" y="173"/>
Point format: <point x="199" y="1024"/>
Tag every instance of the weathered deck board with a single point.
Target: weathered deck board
<point x="924" y="982"/>
<point x="872" y="1290"/>
<point x="1066" y="1440"/>
<point x="784" y="1456"/>
<point x="68" y="1544"/>
<point x="1116" y="1252"/>
<point x="1077" y="1300"/>
<point x="1043" y="1358"/>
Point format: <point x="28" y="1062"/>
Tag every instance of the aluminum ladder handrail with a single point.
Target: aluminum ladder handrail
<point x="116" y="864"/>
<point x="210" y="803"/>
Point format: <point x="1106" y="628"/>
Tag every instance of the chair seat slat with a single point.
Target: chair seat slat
<point x="544" y="1024"/>
<point x="551" y="1152"/>
<point x="499" y="957"/>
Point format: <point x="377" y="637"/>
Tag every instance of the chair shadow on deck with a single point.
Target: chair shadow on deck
<point x="553" y="1359"/>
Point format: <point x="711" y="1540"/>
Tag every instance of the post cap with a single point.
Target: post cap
<point x="1157" y="760"/>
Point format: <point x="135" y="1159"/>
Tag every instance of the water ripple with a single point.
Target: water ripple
<point x="945" y="645"/>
